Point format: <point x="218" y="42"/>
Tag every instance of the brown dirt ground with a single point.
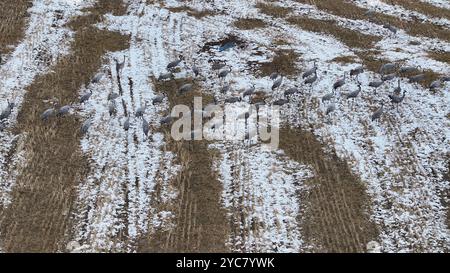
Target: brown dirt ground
<point x="13" y="18"/>
<point x="335" y="216"/>
<point x="38" y="220"/>
<point x="347" y="9"/>
<point x="421" y="7"/>
<point x="200" y="224"/>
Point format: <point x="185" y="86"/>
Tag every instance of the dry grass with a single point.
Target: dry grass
<point x="13" y="17"/>
<point x="441" y="56"/>
<point x="335" y="211"/>
<point x="39" y="218"/>
<point x="201" y="224"/>
<point x="273" y="10"/>
<point x="249" y="23"/>
<point x="347" y="9"/>
<point x="284" y="62"/>
<point x="350" y="38"/>
<point x="421" y="7"/>
<point x="344" y="59"/>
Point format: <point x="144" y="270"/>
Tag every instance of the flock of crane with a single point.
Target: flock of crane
<point x="388" y="72"/>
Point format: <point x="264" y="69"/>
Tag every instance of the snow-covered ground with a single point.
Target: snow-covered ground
<point x="401" y="159"/>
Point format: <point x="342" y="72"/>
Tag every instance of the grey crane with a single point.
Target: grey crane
<point x="445" y="79"/>
<point x="126" y="124"/>
<point x="225" y="88"/>
<point x="388" y="77"/>
<point x="277" y="83"/>
<point x="165" y="76"/>
<point x="407" y="69"/>
<point x="175" y="63"/>
<point x="397" y="99"/>
<point x="7" y="111"/>
<point x="327" y="97"/>
<point x="195" y="70"/>
<point x="386" y="68"/>
<point x="391" y="28"/>
<point x="398" y="89"/>
<point x="354" y="94"/>
<point x="330" y="108"/>
<point x="120" y="66"/>
<point x="145" y="127"/>
<point x="249" y="91"/>
<point x="417" y="78"/>
<point x="310" y="71"/>
<point x="166" y="120"/>
<point x="233" y="99"/>
<point x="224" y="72"/>
<point x="274" y="75"/>
<point x="218" y="66"/>
<point x="291" y="91"/>
<point x="113" y="96"/>
<point x="47" y="114"/>
<point x="356" y="71"/>
<point x="97" y="77"/>
<point x="378" y="113"/>
<point x="375" y="85"/>
<point x="339" y="83"/>
<point x="435" y="85"/>
<point x="280" y="102"/>
<point x="86" y="97"/>
<point x="112" y="108"/>
<point x="64" y="110"/>
<point x="311" y="80"/>
<point x="141" y="110"/>
<point x="185" y="88"/>
<point x="157" y="99"/>
<point x="85" y="126"/>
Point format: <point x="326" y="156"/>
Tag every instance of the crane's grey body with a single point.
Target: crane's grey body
<point x="157" y="100"/>
<point x="397" y="99"/>
<point x="376" y="84"/>
<point x="126" y="124"/>
<point x="195" y="70"/>
<point x="165" y="76"/>
<point x="174" y="64"/>
<point x="280" y="102"/>
<point x="354" y="94"/>
<point x="141" y="110"/>
<point x="386" y="68"/>
<point x="185" y="88"/>
<point x="327" y="97"/>
<point x="113" y="96"/>
<point x="166" y="120"/>
<point x="85" y="126"/>
<point x="330" y="108"/>
<point x="47" y="114"/>
<point x="7" y="111"/>
<point x="249" y="91"/>
<point x="312" y="79"/>
<point x="97" y="78"/>
<point x="85" y="97"/>
<point x="377" y="114"/>
<point x="446" y="79"/>
<point x="233" y="99"/>
<point x="391" y="28"/>
<point x="356" y="71"/>
<point x="63" y="110"/>
<point x="291" y="91"/>
<point x="223" y="73"/>
<point x="309" y="72"/>
<point x="417" y="78"/>
<point x="145" y="127"/>
<point x="112" y="108"/>
<point x="408" y="69"/>
<point x="277" y="83"/>
<point x="388" y="77"/>
<point x="435" y="85"/>
<point x="339" y="83"/>
<point x="225" y="88"/>
<point x="274" y="76"/>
